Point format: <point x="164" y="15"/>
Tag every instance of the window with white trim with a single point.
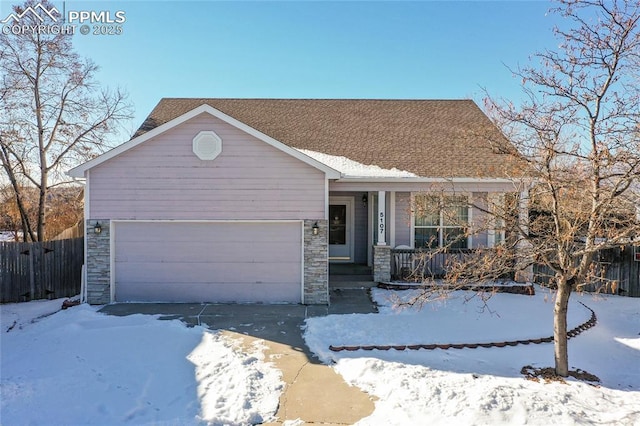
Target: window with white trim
<point x="441" y="221"/>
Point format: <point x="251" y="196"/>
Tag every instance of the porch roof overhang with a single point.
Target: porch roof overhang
<point x="417" y="184"/>
<point x="369" y="179"/>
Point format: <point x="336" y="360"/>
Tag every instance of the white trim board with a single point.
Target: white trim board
<point x="87" y="216"/>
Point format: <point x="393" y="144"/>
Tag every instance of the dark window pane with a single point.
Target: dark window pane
<point x="426" y="238"/>
<point x="455" y="238"/>
<point x="427" y="211"/>
<point x="337" y="224"/>
<point x="455" y="212"/>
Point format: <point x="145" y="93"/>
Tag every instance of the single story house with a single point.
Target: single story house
<point x="249" y="200"/>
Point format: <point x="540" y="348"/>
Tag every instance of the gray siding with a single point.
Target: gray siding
<point x="163" y="179"/>
<point x="403" y="218"/>
<point x="479" y="219"/>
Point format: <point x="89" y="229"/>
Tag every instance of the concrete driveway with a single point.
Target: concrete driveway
<point x="314" y="392"/>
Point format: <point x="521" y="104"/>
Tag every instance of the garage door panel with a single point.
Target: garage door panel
<point x="206" y="252"/>
<point x="189" y="231"/>
<point x="208" y="261"/>
<point x="134" y="272"/>
<point x="221" y="293"/>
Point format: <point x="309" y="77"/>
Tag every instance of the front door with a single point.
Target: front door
<point x="341" y="229"/>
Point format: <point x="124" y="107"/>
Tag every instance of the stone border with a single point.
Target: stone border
<point x="570" y="334"/>
<point x="527" y="290"/>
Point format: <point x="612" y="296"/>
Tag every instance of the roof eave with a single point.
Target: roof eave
<point x="369" y="179"/>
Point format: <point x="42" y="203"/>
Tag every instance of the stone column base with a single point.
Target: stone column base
<point x="381" y="263"/>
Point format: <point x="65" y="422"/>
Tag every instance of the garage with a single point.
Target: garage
<point x="220" y="261"/>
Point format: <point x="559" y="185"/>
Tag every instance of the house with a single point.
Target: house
<point x="249" y="200"/>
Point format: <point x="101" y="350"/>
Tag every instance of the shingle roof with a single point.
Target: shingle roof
<point x="431" y="138"/>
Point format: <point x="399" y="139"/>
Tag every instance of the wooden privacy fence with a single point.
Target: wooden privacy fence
<point x="614" y="265"/>
<point x="40" y="270"/>
<point x="76" y="231"/>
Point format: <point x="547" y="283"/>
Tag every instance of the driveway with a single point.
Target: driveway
<point x="314" y="392"/>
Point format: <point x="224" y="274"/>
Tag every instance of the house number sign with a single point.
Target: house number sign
<point x="381" y="222"/>
<point x="381" y="226"/>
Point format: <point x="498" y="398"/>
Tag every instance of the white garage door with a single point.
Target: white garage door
<point x="208" y="262"/>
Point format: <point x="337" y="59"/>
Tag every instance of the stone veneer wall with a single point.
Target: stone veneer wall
<point x="316" y="264"/>
<point x="98" y="263"/>
<point x="381" y="263"/>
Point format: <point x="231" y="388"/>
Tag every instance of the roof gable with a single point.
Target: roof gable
<point x="80" y="170"/>
<point x="427" y="138"/>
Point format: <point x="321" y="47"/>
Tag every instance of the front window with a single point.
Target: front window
<point x="441" y="221"/>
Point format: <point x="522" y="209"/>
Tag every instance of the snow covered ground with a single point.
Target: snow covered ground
<point x="79" y="367"/>
<point x="484" y="386"/>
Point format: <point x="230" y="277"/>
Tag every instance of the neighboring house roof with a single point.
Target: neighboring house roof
<point x="426" y="138"/>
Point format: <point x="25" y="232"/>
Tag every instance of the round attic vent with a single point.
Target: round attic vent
<point x="207" y="145"/>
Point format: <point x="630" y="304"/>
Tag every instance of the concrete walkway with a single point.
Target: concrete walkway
<point x="314" y="392"/>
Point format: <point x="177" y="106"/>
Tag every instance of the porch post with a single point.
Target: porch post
<point x="381" y="220"/>
<point x="381" y="251"/>
<point x="392" y="218"/>
<point x="523" y="247"/>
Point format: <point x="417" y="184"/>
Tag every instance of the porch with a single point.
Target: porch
<point x="385" y="228"/>
<point x="355" y="226"/>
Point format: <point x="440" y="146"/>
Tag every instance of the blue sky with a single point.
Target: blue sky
<point x="302" y="49"/>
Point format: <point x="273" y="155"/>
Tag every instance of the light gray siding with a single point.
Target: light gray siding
<point x="479" y="219"/>
<point x="403" y="218"/>
<point x="163" y="179"/>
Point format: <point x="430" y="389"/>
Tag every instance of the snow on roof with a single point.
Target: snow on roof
<point x="350" y="168"/>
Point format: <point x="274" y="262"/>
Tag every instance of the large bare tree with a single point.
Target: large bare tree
<point x="53" y="114"/>
<point x="578" y="133"/>
<point x="578" y="130"/>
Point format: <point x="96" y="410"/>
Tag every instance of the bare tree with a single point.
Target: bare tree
<point x="578" y="133"/>
<point x="578" y="130"/>
<point x="53" y="114"/>
<point x="64" y="208"/>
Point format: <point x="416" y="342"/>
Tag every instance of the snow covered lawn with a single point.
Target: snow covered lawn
<point x="82" y="367"/>
<point x="484" y="385"/>
<point x="79" y="367"/>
